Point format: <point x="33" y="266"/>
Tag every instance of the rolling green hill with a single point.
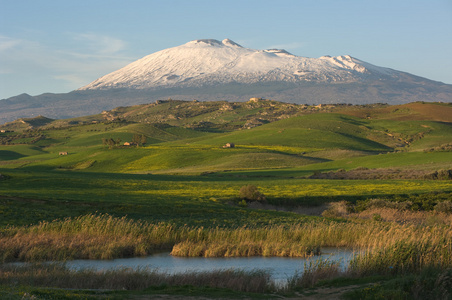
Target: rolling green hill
<point x="315" y="131"/>
<point x="188" y="137"/>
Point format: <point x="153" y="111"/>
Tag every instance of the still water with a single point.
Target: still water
<point x="279" y="267"/>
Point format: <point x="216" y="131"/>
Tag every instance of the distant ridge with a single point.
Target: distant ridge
<point x="210" y="69"/>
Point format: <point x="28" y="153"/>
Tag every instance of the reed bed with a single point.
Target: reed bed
<point x="385" y="248"/>
<point x="390" y="246"/>
<point x="58" y="276"/>
<point x="406" y="216"/>
<point x="314" y="271"/>
<point x="402" y="258"/>
<point x="86" y="237"/>
<point x="306" y="239"/>
<point x="227" y="249"/>
<point x="427" y="283"/>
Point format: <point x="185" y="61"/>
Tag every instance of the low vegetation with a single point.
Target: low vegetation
<point x="87" y="237"/>
<point x="58" y="276"/>
<point x="370" y="174"/>
<point x="444" y="148"/>
<point x="107" y="237"/>
<point x="251" y="193"/>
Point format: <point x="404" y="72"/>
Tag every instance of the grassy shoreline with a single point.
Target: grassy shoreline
<point x="58" y="276"/>
<point x="59" y="282"/>
<point x="106" y="237"/>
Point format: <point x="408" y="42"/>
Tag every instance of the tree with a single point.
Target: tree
<point x="136" y="139"/>
<point x="139" y="139"/>
<point x="111" y="142"/>
<point x="144" y="139"/>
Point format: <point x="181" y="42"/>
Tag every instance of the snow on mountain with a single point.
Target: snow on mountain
<point x="210" y="62"/>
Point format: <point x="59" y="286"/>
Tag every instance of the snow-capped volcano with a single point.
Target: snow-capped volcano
<point x="214" y="70"/>
<point x="210" y="62"/>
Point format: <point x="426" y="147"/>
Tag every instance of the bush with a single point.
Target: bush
<point x="384" y="203"/>
<point x="379" y="203"/>
<point x="338" y="209"/>
<point x="251" y="193"/>
<point x="243" y="203"/>
<point x="445" y="174"/>
<point x="445" y="207"/>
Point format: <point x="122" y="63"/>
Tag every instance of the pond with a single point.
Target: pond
<point x="280" y="268"/>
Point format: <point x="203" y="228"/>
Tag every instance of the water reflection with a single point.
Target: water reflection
<point x="280" y="267"/>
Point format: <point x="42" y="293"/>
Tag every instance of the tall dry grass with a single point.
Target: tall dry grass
<point x="384" y="248"/>
<point x="427" y="218"/>
<point x="56" y="275"/>
<point x="402" y="258"/>
<point x="400" y="246"/>
<point x="314" y="271"/>
<point x="265" y="241"/>
<point x="307" y="239"/>
<point x="90" y="237"/>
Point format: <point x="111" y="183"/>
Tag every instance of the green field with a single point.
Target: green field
<point x="183" y="177"/>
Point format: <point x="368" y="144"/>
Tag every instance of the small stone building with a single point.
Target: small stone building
<point x="130" y="144"/>
<point x="229" y="145"/>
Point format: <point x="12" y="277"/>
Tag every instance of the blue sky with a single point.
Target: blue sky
<point x="57" y="46"/>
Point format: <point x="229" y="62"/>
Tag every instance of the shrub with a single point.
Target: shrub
<point x="361" y="169"/>
<point x="251" y="193"/>
<point x="243" y="203"/>
<point x="338" y="209"/>
<point x="379" y="203"/>
<point x="445" y="207"/>
<point x="444" y="174"/>
<point x="384" y="203"/>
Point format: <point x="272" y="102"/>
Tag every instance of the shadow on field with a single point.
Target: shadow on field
<point x="317" y="201"/>
<point x="10" y="155"/>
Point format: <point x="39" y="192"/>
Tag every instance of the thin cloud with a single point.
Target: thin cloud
<point x="101" y="44"/>
<point x="92" y="56"/>
<point x="72" y="79"/>
<point x="7" y="43"/>
<point x="80" y="55"/>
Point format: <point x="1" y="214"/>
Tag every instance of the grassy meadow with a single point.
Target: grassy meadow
<point x="180" y="192"/>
